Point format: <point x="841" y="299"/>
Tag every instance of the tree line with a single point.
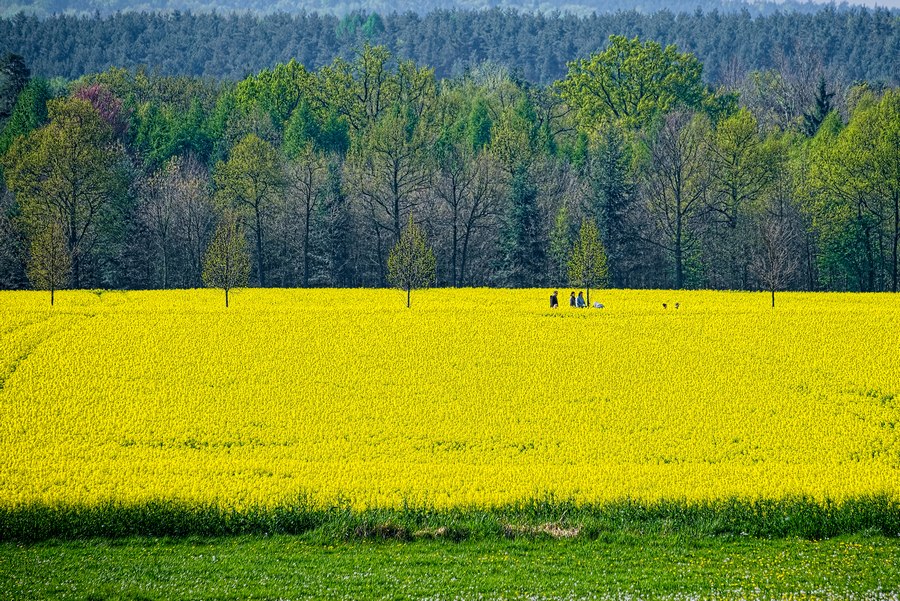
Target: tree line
<point x="44" y="8"/>
<point x="786" y="179"/>
<point x="852" y="44"/>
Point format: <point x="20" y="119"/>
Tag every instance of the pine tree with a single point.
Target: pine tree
<point x="613" y="194"/>
<point x="28" y="114"/>
<point x="522" y="244"/>
<point x="813" y="119"/>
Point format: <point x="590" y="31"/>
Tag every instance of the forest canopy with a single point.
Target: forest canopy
<point x="772" y="178"/>
<point x="853" y="44"/>
<point x="345" y="7"/>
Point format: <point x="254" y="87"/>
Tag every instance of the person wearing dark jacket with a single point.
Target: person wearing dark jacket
<point x="554" y="300"/>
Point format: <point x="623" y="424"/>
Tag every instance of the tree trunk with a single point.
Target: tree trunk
<point x="306" y="248"/>
<point x="453" y="253"/>
<point x="72" y="245"/>
<point x="773" y="297"/>
<point x="259" y="249"/>
<point x="226" y="298"/>
<point x="679" y="268"/>
<point x="588" y="303"/>
<point x="896" y="240"/>
<point x="51" y="296"/>
<point x="395" y="190"/>
<point x="464" y="253"/>
<point x="76" y="271"/>
<point x="809" y="264"/>
<point x="165" y="267"/>
<point x="382" y="275"/>
<point x="407" y="297"/>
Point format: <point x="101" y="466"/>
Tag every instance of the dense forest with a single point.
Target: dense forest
<point x="782" y="178"/>
<point x="852" y="45"/>
<point x="346" y="7"/>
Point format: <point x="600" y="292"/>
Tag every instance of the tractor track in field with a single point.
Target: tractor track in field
<point x="11" y="369"/>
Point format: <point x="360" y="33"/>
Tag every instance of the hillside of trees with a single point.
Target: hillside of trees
<point x="851" y="45"/>
<point x="783" y="178"/>
<point x="43" y="8"/>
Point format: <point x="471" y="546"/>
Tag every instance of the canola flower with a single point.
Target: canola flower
<point x="472" y="397"/>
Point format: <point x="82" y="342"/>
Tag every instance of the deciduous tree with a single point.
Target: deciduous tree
<point x="306" y="180"/>
<point x="252" y="181"/>
<point x="411" y="263"/>
<point x="49" y="261"/>
<point x="632" y="82"/>
<point x="775" y="263"/>
<point x="675" y="186"/>
<point x="70" y="171"/>
<point x="226" y="264"/>
<point x="587" y="260"/>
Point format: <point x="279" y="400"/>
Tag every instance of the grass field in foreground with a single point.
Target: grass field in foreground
<point x="470" y="398"/>
<point x="622" y="567"/>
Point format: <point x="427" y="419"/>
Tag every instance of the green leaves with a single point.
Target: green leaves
<point x="855" y="185"/>
<point x="411" y="263"/>
<point x="226" y="264"/>
<point x="633" y="82"/>
<point x="29" y="112"/>
<point x="49" y="263"/>
<point x="587" y="262"/>
<point x="251" y="180"/>
<point x="70" y="170"/>
<point x="278" y="91"/>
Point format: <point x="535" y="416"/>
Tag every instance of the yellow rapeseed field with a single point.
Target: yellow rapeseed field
<point x="472" y="397"/>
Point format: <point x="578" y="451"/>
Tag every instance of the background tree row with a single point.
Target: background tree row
<point x="852" y="44"/>
<point x="120" y="179"/>
<point x="346" y="7"/>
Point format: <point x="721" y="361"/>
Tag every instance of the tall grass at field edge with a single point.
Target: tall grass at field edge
<point x="798" y="517"/>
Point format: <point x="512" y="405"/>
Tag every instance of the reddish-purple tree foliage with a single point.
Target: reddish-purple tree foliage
<point x="107" y="104"/>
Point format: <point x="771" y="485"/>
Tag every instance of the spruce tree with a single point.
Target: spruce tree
<point x="523" y="253"/>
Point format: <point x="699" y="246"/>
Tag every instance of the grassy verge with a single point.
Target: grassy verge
<point x="298" y="567"/>
<point x="798" y="517"/>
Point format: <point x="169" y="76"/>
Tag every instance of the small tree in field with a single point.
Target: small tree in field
<point x="587" y="263"/>
<point x="411" y="263"/>
<point x="49" y="264"/>
<point x="226" y="264"/>
<point x="775" y="263"/>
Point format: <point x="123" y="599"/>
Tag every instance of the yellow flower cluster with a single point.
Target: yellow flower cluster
<point x="470" y="397"/>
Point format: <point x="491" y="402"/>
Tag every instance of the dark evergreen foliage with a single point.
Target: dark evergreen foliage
<point x="862" y="44"/>
<point x="814" y="118"/>
<point x="523" y="243"/>
<point x="371" y="24"/>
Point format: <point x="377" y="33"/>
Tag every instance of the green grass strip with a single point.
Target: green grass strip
<point x="546" y="518"/>
<point x="285" y="567"/>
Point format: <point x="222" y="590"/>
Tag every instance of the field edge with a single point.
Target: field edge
<point x="799" y="517"/>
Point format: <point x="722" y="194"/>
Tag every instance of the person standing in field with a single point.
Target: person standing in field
<point x="580" y="302"/>
<point x="554" y="300"/>
<point x="572" y="302"/>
